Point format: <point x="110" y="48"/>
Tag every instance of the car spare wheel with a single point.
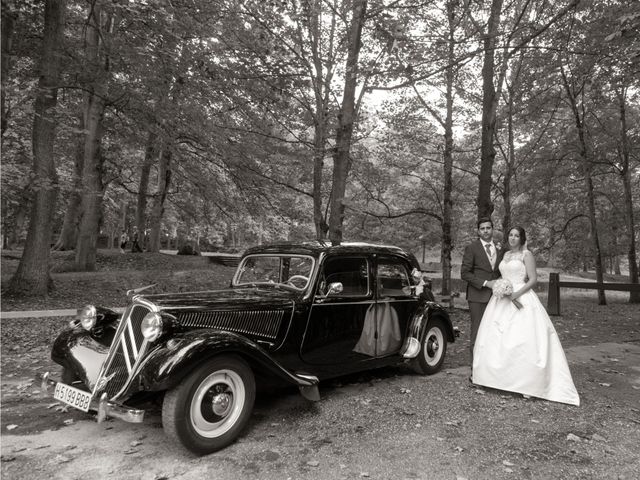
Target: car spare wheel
<point x="433" y="347"/>
<point x="209" y="409"/>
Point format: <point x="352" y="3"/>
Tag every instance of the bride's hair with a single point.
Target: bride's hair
<point x="523" y="236"/>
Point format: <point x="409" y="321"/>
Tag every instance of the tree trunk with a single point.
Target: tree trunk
<point x="69" y="234"/>
<point x="322" y="90"/>
<point x="8" y="20"/>
<point x="92" y="182"/>
<point x="489" y="108"/>
<point x="508" y="173"/>
<point x="447" y="200"/>
<point x="346" y="119"/>
<point x="32" y="276"/>
<point x="588" y="183"/>
<point x="92" y="187"/>
<point x="157" y="210"/>
<point x="141" y="205"/>
<point x="634" y="297"/>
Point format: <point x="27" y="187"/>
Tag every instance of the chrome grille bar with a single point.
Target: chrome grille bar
<point x="127" y="350"/>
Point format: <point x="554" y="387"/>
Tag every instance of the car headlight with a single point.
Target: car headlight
<point x="152" y="326"/>
<point x="87" y="316"/>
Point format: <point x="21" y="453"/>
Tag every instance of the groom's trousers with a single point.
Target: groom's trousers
<point x="476" y="311"/>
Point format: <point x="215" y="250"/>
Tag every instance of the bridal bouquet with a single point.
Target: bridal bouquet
<point x="503" y="288"/>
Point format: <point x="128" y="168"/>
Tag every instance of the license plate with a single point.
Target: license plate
<point x="72" y="396"/>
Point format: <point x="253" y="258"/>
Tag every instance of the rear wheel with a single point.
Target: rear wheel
<point x="433" y="348"/>
<point x="209" y="409"/>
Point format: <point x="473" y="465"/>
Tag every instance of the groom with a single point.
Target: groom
<point x="480" y="270"/>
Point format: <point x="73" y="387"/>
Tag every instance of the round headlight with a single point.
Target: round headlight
<point x="151" y="326"/>
<point x="87" y="317"/>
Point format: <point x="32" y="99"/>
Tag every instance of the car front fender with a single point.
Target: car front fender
<point x="168" y="364"/>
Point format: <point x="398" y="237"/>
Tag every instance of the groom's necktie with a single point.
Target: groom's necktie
<point x="487" y="247"/>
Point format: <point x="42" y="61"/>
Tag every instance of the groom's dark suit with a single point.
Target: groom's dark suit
<point x="475" y="270"/>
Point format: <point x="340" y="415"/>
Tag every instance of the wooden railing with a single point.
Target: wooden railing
<point x="553" y="300"/>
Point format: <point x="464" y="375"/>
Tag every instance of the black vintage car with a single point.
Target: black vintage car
<point x="297" y="313"/>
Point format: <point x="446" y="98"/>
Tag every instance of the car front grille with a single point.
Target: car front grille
<point x="264" y="324"/>
<point x="127" y="350"/>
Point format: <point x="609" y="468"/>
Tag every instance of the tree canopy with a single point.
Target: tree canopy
<point x="226" y="123"/>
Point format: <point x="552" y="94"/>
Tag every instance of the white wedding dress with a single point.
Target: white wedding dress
<point x="518" y="350"/>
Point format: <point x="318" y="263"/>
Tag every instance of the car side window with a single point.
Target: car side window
<point x="392" y="279"/>
<point x="351" y="272"/>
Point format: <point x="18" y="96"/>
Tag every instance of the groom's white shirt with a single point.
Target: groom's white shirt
<point x="494" y="252"/>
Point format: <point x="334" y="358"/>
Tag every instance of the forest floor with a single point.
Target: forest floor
<point x="386" y="424"/>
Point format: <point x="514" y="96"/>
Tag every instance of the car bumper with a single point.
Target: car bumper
<point x="105" y="408"/>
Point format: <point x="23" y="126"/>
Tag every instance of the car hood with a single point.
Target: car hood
<point x="229" y="299"/>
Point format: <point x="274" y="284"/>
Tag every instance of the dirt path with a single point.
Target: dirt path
<point x="389" y="424"/>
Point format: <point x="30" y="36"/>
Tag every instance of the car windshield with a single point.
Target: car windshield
<point x="290" y="271"/>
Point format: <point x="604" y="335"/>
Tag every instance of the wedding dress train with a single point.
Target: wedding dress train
<point x="518" y="350"/>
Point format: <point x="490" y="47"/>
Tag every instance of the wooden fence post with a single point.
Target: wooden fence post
<point x="553" y="298"/>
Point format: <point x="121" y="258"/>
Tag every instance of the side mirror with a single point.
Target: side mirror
<point x="335" y="288"/>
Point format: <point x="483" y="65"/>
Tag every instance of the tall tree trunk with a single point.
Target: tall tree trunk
<point x="157" y="210"/>
<point x="8" y="20"/>
<point x="447" y="201"/>
<point x="634" y="297"/>
<point x="92" y="188"/>
<point x="489" y="108"/>
<point x="587" y="167"/>
<point x="143" y="188"/>
<point x="92" y="182"/>
<point x="69" y="234"/>
<point x="322" y="90"/>
<point x="32" y="276"/>
<point x="346" y="119"/>
<point x="509" y="168"/>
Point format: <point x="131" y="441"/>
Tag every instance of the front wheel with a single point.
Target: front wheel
<point x="433" y="348"/>
<point x="209" y="409"/>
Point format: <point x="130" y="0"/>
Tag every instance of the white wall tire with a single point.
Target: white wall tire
<point x="433" y="349"/>
<point x="209" y="409"/>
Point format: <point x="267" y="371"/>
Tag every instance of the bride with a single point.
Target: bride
<point x="517" y="348"/>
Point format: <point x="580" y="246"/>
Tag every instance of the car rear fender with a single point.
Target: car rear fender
<point x="426" y="313"/>
<point x="168" y="364"/>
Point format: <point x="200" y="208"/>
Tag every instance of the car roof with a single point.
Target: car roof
<point x="315" y="248"/>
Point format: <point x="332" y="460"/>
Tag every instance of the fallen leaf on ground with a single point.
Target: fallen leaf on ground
<point x="573" y="438"/>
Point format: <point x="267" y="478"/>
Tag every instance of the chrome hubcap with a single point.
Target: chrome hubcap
<point x="432" y="347"/>
<point x="217" y="403"/>
<point x="221" y="404"/>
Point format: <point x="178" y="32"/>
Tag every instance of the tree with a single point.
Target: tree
<point x="32" y="276"/>
<point x="346" y="119"/>
<point x="625" y="172"/>
<point x="100" y="24"/>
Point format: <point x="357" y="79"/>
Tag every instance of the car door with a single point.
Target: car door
<point x="395" y="304"/>
<point x="336" y="321"/>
